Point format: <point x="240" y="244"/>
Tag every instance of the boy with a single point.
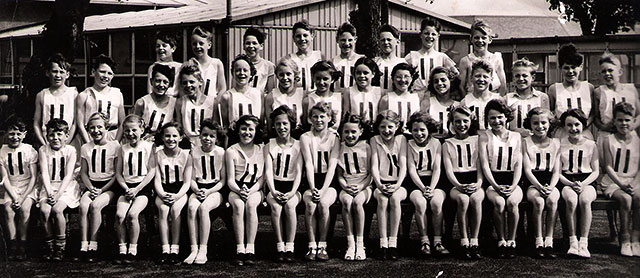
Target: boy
<point x="389" y="39"/>
<point x="481" y="75"/>
<point x="18" y="162"/>
<point x="346" y="38"/>
<point x="166" y="45"/>
<point x="156" y="108"/>
<point x="101" y="97"/>
<point x="264" y="79"/>
<point x="481" y="37"/>
<point x="305" y="57"/>
<point x="211" y="68"/>
<point x="525" y="96"/>
<point x="59" y="188"/>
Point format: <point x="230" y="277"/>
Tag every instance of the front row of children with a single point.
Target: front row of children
<point x="467" y="167"/>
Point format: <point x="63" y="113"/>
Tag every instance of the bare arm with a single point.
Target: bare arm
<point x="119" y="176"/>
<point x="37" y="119"/>
<point x="188" y="171"/>
<point x="44" y="172"/>
<point x="502" y="77"/>
<point x="268" y="170"/>
<point x="121" y="115"/>
<point x="375" y="165"/>
<point x="80" y="105"/>
<point x="413" y="171"/>
<point x="221" y="80"/>
<point x="517" y="171"/>
<point x="231" y="168"/>
<point x="484" y="162"/>
<point x="435" y="174"/>
<point x="305" y="142"/>
<point x="68" y="175"/>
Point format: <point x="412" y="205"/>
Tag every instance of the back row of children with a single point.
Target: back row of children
<point x="308" y="97"/>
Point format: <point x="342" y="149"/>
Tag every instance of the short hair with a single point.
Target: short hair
<point x="244" y="57"/>
<point x="16" y="123"/>
<point x="498" y="105"/>
<point x="482" y="64"/>
<point x="133" y="118"/>
<point x="435" y="71"/>
<point x="346" y="28"/>
<point x="391" y="29"/>
<point x="624" y="108"/>
<point x="286" y="61"/>
<point x="165" y="70"/>
<point x="59" y="59"/>
<point x="536" y="111"/>
<point x="324" y="107"/>
<point x="103" y="59"/>
<point x="190" y="67"/>
<point x="371" y="64"/>
<point x="284" y="110"/>
<point x="245" y="120"/>
<point x="160" y="131"/>
<point x="388" y="115"/>
<point x="212" y="125"/>
<point x="568" y="54"/>
<point x="326" y="65"/>
<point x="423" y="117"/>
<point x="407" y="67"/>
<point x="525" y="63"/>
<point x="461" y="109"/>
<point x="610" y="58"/>
<point x="167" y="37"/>
<point x="352" y="119"/>
<point x="260" y="36"/>
<point x="482" y="27"/>
<point x="430" y="22"/>
<point x="57" y="124"/>
<point x="203" y="33"/>
<point x="576" y="113"/>
<point x="302" y="24"/>
<point x="98" y="116"/>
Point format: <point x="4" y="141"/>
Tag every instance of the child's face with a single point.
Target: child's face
<point x="388" y="42"/>
<point x="282" y="125"/>
<point x="102" y="75"/>
<point x="57" y="75"/>
<point x="241" y="72"/>
<point x="15" y="137"/>
<point x="347" y="42"/>
<point x="247" y="132"/>
<point x="164" y="50"/>
<point x="461" y="123"/>
<point x="481" y="80"/>
<point x="252" y="47"/>
<point x="363" y="76"/>
<point x="540" y="124"/>
<point x="497" y="119"/>
<point x="420" y="132"/>
<point x="441" y="83"/>
<point x="319" y="120"/>
<point x="302" y="38"/>
<point x="610" y="73"/>
<point x="160" y="84"/>
<point x="96" y="129"/>
<point x="171" y="138"/>
<point x="57" y="139"/>
<point x="571" y="73"/>
<point x="351" y="133"/>
<point x="190" y="84"/>
<point x="208" y="137"/>
<point x="387" y="129"/>
<point x="200" y="46"/>
<point x="623" y="123"/>
<point x="523" y="78"/>
<point x="323" y="81"/>
<point x="286" y="77"/>
<point x="429" y="36"/>
<point x="132" y="131"/>
<point x="573" y="127"/>
<point x="402" y="79"/>
<point x="480" y="40"/>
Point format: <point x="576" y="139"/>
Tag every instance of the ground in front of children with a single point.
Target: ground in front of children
<point x="605" y="260"/>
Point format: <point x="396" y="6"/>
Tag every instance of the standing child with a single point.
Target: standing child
<point x="171" y="183"/>
<point x="541" y="166"/>
<point x="345" y="61"/>
<point x="283" y="172"/>
<point x="401" y="100"/>
<point x="423" y="164"/>
<point x="460" y="156"/>
<point x="97" y="173"/>
<point x="193" y="107"/>
<point x="241" y="99"/>
<point x="501" y="160"/>
<point x="166" y="45"/>
<point x="579" y="161"/>
<point x="18" y="162"/>
<point x="156" y="108"/>
<point x="525" y="97"/>
<point x="135" y="170"/>
<point x="212" y="70"/>
<point x="481" y="38"/>
<point x="245" y="166"/>
<point x="286" y="93"/>
<point x="324" y="74"/>
<point x="439" y="103"/>
<point x="59" y="187"/>
<point x="480" y="95"/>
<point x="389" y="40"/>
<point x="622" y="157"/>
<point x="316" y="145"/>
<point x="207" y="187"/>
<point x="305" y="57"/>
<point x="264" y="80"/>
<point x="363" y="99"/>
<point x="388" y="169"/>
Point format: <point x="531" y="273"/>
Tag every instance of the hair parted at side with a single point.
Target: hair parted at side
<point x="498" y="105"/>
<point x="58" y="59"/>
<point x="286" y="61"/>
<point x="391" y="29"/>
<point x="167" y="37"/>
<point x="576" y="113"/>
<point x="371" y="64"/>
<point x="98" y="116"/>
<point x="15" y="123"/>
<point x="610" y="58"/>
<point x="326" y="65"/>
<point x="435" y="71"/>
<point x="388" y="115"/>
<point x="245" y="120"/>
<point x="624" y="108"/>
<point x="165" y="70"/>
<point x="252" y="31"/>
<point x="482" y="27"/>
<point x="537" y="111"/>
<point x="302" y="24"/>
<point x="463" y="110"/>
<point x="203" y="33"/>
<point x="190" y="67"/>
<point x="284" y="110"/>
<point x="423" y="117"/>
<point x="325" y="108"/>
<point x="524" y="62"/>
<point x="346" y="28"/>
<point x="103" y="59"/>
<point x="481" y="64"/>
<point x="430" y="22"/>
<point x="133" y="118"/>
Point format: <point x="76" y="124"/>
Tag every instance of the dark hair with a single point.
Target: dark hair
<point x="553" y="122"/>
<point x="326" y="65"/>
<point x="103" y="59"/>
<point x="351" y="119"/>
<point x="245" y="58"/>
<point x="435" y="71"/>
<point x="407" y="67"/>
<point x="203" y="33"/>
<point x="481" y="64"/>
<point x="212" y="125"/>
<point x="324" y="107"/>
<point x="59" y="59"/>
<point x="473" y="127"/>
<point x="302" y="24"/>
<point x="568" y="54"/>
<point x="260" y="36"/>
<point x="498" y="105"/>
<point x="423" y="117"/>
<point x="576" y="113"/>
<point x="388" y="115"/>
<point x="245" y="120"/>
<point x="16" y="123"/>
<point x="190" y="67"/>
<point x="165" y="70"/>
<point x="391" y="29"/>
<point x="371" y="64"/>
<point x="430" y="22"/>
<point x="624" y="108"/>
<point x="57" y="124"/>
<point x="167" y="38"/>
<point x="346" y="28"/>
<point x="284" y="110"/>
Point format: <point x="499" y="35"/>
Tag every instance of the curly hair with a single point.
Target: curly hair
<point x="352" y="119"/>
<point x="482" y="27"/>
<point x="568" y="55"/>
<point x="430" y="22"/>
<point x="103" y="59"/>
<point x="576" y="113"/>
<point x="190" y="67"/>
<point x="214" y="126"/>
<point x="461" y="109"/>
<point x="203" y="33"/>
<point x="624" y="108"/>
<point x="536" y="111"/>
<point x="57" y="124"/>
<point x="610" y="58"/>
<point x="481" y="64"/>
<point x="388" y="115"/>
<point x="404" y="66"/>
<point x="435" y="71"/>
<point x="423" y="117"/>
<point x="15" y="123"/>
<point x="245" y="120"/>
<point x="58" y="59"/>
<point x="501" y="106"/>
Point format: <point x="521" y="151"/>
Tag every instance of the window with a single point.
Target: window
<point x="121" y="51"/>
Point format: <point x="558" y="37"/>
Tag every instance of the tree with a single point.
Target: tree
<point x="599" y="17"/>
<point x="367" y="19"/>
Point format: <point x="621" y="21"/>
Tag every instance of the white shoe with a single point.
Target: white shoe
<point x="361" y="254"/>
<point x="191" y="258"/>
<point x="201" y="258"/>
<point x="625" y="249"/>
<point x="350" y="254"/>
<point x="635" y="249"/>
<point x="584" y="251"/>
<point x="573" y="250"/>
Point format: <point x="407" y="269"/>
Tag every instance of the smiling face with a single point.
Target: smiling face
<point x="190" y="84"/>
<point x="363" y="76"/>
<point x="480" y="40"/>
<point x="419" y="132"/>
<point x="623" y="122"/>
<point x="351" y="133"/>
<point x="610" y="73"/>
<point x="102" y="76"/>
<point x="461" y="123"/>
<point x="429" y="36"/>
<point x="15" y="137"/>
<point x="57" y="75"/>
<point x="286" y="77"/>
<point x="164" y="50"/>
<point x="573" y="127"/>
<point x="57" y="139"/>
<point x="347" y="43"/>
<point x="319" y="120"/>
<point x="171" y="138"/>
<point x="96" y="129"/>
<point x="282" y="126"/>
<point x="481" y="79"/>
<point x="571" y="73"/>
<point x="441" y="83"/>
<point x="388" y="42"/>
<point x="132" y="131"/>
<point x="322" y="79"/>
<point x="401" y="80"/>
<point x="247" y="132"/>
<point x="387" y="129"/>
<point x="523" y="78"/>
<point x="252" y="47"/>
<point x="497" y="120"/>
<point x="540" y="124"/>
<point x="208" y="138"/>
<point x="302" y="38"/>
<point x="160" y="84"/>
<point x="200" y="46"/>
<point x="241" y="72"/>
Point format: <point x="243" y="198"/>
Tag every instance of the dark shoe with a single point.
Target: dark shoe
<point x="21" y="252"/>
<point x="425" y="250"/>
<point x="539" y="253"/>
<point x="250" y="259"/>
<point x="311" y="254"/>
<point x="48" y="253"/>
<point x="128" y="259"/>
<point x="12" y="250"/>
<point x="92" y="256"/>
<point x="58" y="255"/>
<point x="511" y="252"/>
<point x="501" y="253"/>
<point x="175" y="259"/>
<point x="322" y="254"/>
<point x="466" y="253"/>
<point x="164" y="258"/>
<point x="280" y="257"/>
<point x="392" y="253"/>
<point x="439" y="250"/>
<point x="382" y="253"/>
<point x="239" y="259"/>
<point x="289" y="257"/>
<point x="548" y="253"/>
<point x="119" y="259"/>
<point x="474" y="252"/>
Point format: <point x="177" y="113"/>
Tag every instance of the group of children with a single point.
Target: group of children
<point x="312" y="130"/>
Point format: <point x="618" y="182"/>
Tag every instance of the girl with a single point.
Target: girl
<point x="212" y="70"/>
<point x="440" y="101"/>
<point x="353" y="156"/>
<point x="241" y="99"/>
<point x="207" y="183"/>
<point x="501" y="158"/>
<point x="362" y="99"/>
<point x="423" y="163"/>
<point x="193" y="107"/>
<point x="283" y="172"/>
<point x="542" y="169"/>
<point x="97" y="173"/>
<point x="171" y="183"/>
<point x="460" y="156"/>
<point x="156" y="108"/>
<point x="305" y="57"/>
<point x="388" y="169"/>
<point x="245" y="165"/>
<point x="525" y="97"/>
<point x="579" y="162"/>
<point x="324" y="73"/>
<point x="135" y="170"/>
<point x="402" y="101"/>
<point x="286" y="93"/>
<point x="316" y="146"/>
<point x="346" y="38"/>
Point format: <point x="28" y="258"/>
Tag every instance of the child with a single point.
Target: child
<point x="207" y="187"/>
<point x="571" y="92"/>
<point x="59" y="188"/>
<point x="579" y="162"/>
<point x="353" y="156"/>
<point x="428" y="56"/>
<point x="525" y="97"/>
<point x="389" y="40"/>
<point x="193" y="107"/>
<point x="423" y="164"/>
<point x="97" y="173"/>
<point x="264" y="80"/>
<point x="286" y="93"/>
<point x="166" y="45"/>
<point x="480" y="95"/>
<point x="388" y="169"/>
<point x="401" y="100"/>
<point x="324" y="74"/>
<point x="101" y="97"/>
<point x="481" y="37"/>
<point x="171" y="183"/>
<point x="245" y="166"/>
<point x="542" y="168"/>
<point x="283" y="173"/>
<point x="18" y="162"/>
<point x="57" y="101"/>
<point x="622" y="158"/>
<point x="501" y="158"/>
<point x="156" y="108"/>
<point x="363" y="99"/>
<point x="241" y="99"/>
<point x="439" y="103"/>
<point x="305" y="57"/>
<point x="212" y="70"/>
<point x="346" y="38"/>
<point x="460" y="157"/>
<point x="316" y="145"/>
<point x="135" y="170"/>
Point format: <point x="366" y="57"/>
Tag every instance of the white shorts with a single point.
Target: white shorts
<point x="71" y="195"/>
<point x="20" y="186"/>
<point x="608" y="186"/>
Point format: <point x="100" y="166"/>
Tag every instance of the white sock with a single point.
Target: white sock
<point x="548" y="241"/>
<point x="359" y="241"/>
<point x="122" y="248"/>
<point x="313" y="245"/>
<point x="251" y="248"/>
<point x="280" y="246"/>
<point x="511" y="243"/>
<point x="322" y="244"/>
<point x="288" y="246"/>
<point x="240" y="249"/>
<point x="501" y="243"/>
<point x="584" y="240"/>
<point x="539" y="242"/>
<point x="174" y="249"/>
<point x="424" y="240"/>
<point x="194" y="248"/>
<point x="202" y="248"/>
<point x="84" y="246"/>
<point x="473" y="242"/>
<point x="573" y="240"/>
<point x="437" y="239"/>
<point x="93" y="245"/>
<point x="350" y="242"/>
<point x="393" y="242"/>
<point x="384" y="242"/>
<point x="165" y="249"/>
<point x="464" y="242"/>
<point x="133" y="249"/>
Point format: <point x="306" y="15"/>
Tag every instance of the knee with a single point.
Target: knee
<point x="57" y="210"/>
<point x="133" y="216"/>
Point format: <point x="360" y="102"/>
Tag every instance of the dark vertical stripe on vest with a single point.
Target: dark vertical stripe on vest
<point x="167" y="175"/>
<point x="356" y="165"/>
<point x="176" y="168"/>
<point x="201" y="116"/>
<point x="255" y="81"/>
<point x="21" y="168"/>
<point x="287" y="160"/>
<point x="161" y="121"/>
<point x="538" y="160"/>
<point x="140" y="163"/>
<point x="203" y="165"/>
<point x="569" y="103"/>
<point x="52" y="111"/>
<point x="10" y="164"/>
<point x="519" y="120"/>
<point x="624" y="170"/>
<point x="469" y="154"/>
<point x="510" y="152"/>
<point x="94" y="154"/>
<point x="342" y="78"/>
<point x="61" y="111"/>
<point x="130" y="164"/>
<point x="499" y="160"/>
<point x="570" y="160"/>
<point x="319" y="161"/>
<point x="616" y="164"/>
<point x="422" y="69"/>
<point x="579" y="103"/>
<point x="193" y="120"/>
<point x="429" y="161"/>
<point x="580" y="161"/>
<point x="53" y="169"/>
<point x="152" y="118"/>
<point x="420" y="160"/>
<point x="212" y="162"/>
<point x="347" y="167"/>
<point x="103" y="161"/>
<point x="304" y="79"/>
<point x="250" y="108"/>
<point x="255" y="173"/>
<point x="62" y="168"/>
<point x="100" y="106"/>
<point x="548" y="158"/>
<point x="206" y="87"/>
<point x="390" y="172"/>
<point x="459" y="155"/>
<point x="386" y="78"/>
<point x="278" y="162"/>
